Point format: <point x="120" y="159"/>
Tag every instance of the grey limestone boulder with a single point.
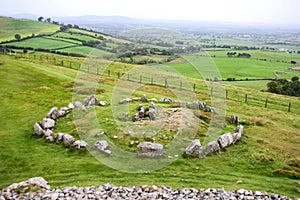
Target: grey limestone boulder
<point x="149" y="149"/>
<point x="68" y="139"/>
<point x="78" y="104"/>
<point x="143" y="97"/>
<point x="225" y="140"/>
<point x="36" y="182"/>
<point x="234" y="119"/>
<point x="212" y="147"/>
<point x="91" y="101"/>
<point x="103" y="103"/>
<point x="38" y="129"/>
<point x="71" y="106"/>
<point x="101" y="145"/>
<point x="79" y="144"/>
<point x="47" y="123"/>
<point x="53" y="113"/>
<point x="240" y="129"/>
<point x="194" y="148"/>
<point x="59" y="137"/>
<point x="165" y="100"/>
<point x="126" y="100"/>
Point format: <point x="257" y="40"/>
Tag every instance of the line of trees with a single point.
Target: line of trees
<point x="285" y="87"/>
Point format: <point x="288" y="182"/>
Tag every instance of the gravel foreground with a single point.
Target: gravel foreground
<point x="109" y="191"/>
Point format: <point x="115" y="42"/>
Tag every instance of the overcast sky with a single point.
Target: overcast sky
<point x="249" y="11"/>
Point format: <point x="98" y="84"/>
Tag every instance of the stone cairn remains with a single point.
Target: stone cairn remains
<point x="42" y="190"/>
<point x="46" y="126"/>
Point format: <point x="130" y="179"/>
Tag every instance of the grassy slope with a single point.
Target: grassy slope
<point x="42" y="43"/>
<point x="28" y="90"/>
<point x="86" y="51"/>
<point x="10" y="27"/>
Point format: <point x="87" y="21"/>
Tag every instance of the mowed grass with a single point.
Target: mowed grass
<point x="44" y="43"/>
<point x="10" y="27"/>
<point x="266" y="159"/>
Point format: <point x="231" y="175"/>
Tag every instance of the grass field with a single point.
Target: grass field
<point x="10" y="27"/>
<point x="270" y="56"/>
<point x="240" y="68"/>
<point x="86" y="51"/>
<point x="42" y="43"/>
<point x="266" y="159"/>
<point x="77" y="36"/>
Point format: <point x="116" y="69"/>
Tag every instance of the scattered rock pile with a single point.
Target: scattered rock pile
<point x="144" y="112"/>
<point x="45" y="128"/>
<point x="109" y="191"/>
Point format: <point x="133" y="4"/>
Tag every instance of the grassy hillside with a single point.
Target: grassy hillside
<point x="40" y="42"/>
<point x="266" y="159"/>
<point x="24" y="27"/>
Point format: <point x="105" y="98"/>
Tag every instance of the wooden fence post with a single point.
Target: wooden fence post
<point x="166" y="82"/>
<point x="226" y="94"/>
<point x="290" y="105"/>
<point x="266" y="104"/>
<point x="140" y="79"/>
<point x="128" y="77"/>
<point x="246" y="98"/>
<point x="108" y="72"/>
<point x="194" y="87"/>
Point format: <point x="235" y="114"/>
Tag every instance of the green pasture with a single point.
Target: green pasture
<point x="44" y="43"/>
<point x="76" y="36"/>
<point x="9" y="27"/>
<point x="86" y="51"/>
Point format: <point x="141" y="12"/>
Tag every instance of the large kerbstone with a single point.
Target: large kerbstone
<point x="194" y="148"/>
<point x="225" y="140"/>
<point x="79" y="144"/>
<point x="37" y="182"/>
<point x="53" y="113"/>
<point x="47" y="123"/>
<point x="212" y="147"/>
<point x="68" y="139"/>
<point x="150" y="149"/>
<point x="38" y="129"/>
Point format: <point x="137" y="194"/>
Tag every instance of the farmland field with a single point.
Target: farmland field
<point x="42" y="43"/>
<point x="85" y="51"/>
<point x="10" y="27"/>
<point x="74" y="35"/>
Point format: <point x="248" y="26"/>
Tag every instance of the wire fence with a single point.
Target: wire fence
<point x="259" y="99"/>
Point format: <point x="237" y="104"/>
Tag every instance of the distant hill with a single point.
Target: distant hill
<point x="24" y="27"/>
<point x="92" y="19"/>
